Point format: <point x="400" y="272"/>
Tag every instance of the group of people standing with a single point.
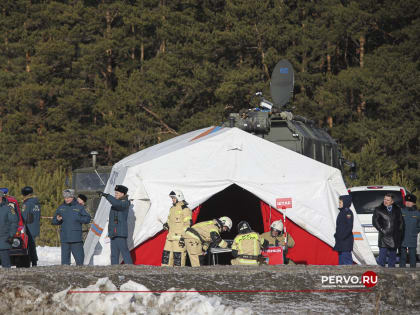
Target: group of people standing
<point x="71" y="215"/>
<point x="9" y="220"/>
<point x="397" y="231"/>
<point x="185" y="238"/>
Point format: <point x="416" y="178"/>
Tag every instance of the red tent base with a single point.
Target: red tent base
<point x="308" y="249"/>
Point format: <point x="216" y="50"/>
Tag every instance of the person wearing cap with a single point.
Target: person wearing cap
<point x="202" y="236"/>
<point x="70" y="215"/>
<point x="8" y="228"/>
<point x="411" y="218"/>
<point x="82" y="200"/>
<point x="179" y="219"/>
<point x="31" y="213"/>
<point x="344" y="231"/>
<point x="117" y="225"/>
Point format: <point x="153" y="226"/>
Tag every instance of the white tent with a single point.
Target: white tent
<point x="204" y="162"/>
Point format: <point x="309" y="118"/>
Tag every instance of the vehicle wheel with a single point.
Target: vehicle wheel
<point x="23" y="262"/>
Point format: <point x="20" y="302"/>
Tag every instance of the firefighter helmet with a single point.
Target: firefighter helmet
<point x="177" y="194"/>
<point x="277" y="225"/>
<point x="226" y="221"/>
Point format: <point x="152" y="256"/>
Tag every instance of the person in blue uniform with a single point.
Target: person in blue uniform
<point x="31" y="213"/>
<point x="344" y="231"/>
<point x="8" y="228"/>
<point x="411" y="218"/>
<point x="71" y="215"/>
<point x="117" y="225"/>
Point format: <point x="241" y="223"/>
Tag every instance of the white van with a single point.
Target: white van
<point x="365" y="199"/>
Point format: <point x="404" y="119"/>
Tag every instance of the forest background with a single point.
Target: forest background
<point x="119" y="76"/>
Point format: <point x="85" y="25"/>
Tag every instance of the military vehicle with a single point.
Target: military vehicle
<point x="270" y="121"/>
<point x="89" y="180"/>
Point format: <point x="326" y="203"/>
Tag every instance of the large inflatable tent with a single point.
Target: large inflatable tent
<point x="227" y="172"/>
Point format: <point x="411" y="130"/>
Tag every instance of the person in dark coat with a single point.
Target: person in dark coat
<point x="388" y="220"/>
<point x="8" y="228"/>
<point x="411" y="218"/>
<point x="344" y="231"/>
<point x="117" y="225"/>
<point x="31" y="213"/>
<point x="71" y="215"/>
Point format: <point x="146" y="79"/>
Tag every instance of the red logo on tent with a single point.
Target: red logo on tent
<point x="369" y="279"/>
<point x="283" y="203"/>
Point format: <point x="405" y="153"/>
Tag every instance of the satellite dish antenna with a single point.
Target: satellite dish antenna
<point x="282" y="82"/>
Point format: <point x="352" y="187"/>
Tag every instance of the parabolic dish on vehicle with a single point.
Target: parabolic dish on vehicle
<point x="282" y="82"/>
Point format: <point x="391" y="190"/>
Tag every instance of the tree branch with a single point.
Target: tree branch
<point x="161" y="122"/>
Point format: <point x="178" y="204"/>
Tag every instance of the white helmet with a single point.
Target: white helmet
<point x="177" y="194"/>
<point x="226" y="221"/>
<point x="277" y="225"/>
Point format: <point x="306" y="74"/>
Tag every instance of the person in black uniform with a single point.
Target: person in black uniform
<point x="388" y="220"/>
<point x="31" y="213"/>
<point x="344" y="231"/>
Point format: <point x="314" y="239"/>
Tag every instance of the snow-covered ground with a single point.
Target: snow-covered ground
<point x="131" y="302"/>
<point x="133" y="298"/>
<point x="48" y="256"/>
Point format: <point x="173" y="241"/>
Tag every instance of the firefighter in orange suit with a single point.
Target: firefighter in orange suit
<point x="247" y="246"/>
<point x="179" y="219"/>
<point x="203" y="235"/>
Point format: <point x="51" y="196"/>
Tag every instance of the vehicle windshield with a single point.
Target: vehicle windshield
<point x="366" y="201"/>
<point x="90" y="181"/>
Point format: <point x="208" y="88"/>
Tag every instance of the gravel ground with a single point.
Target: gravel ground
<point x="30" y="291"/>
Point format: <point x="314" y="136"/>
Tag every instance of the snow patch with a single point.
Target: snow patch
<point x="127" y="301"/>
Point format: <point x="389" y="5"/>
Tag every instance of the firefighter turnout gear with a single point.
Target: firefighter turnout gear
<point x="279" y="240"/>
<point x="202" y="236"/>
<point x="179" y="219"/>
<point x="246" y="248"/>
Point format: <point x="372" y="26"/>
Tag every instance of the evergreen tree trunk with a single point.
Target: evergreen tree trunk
<point x="28" y="62"/>
<point x="162" y="46"/>
<point x="328" y="58"/>
<point x="362" y="42"/>
<point x="361" y="107"/>
<point x="108" y="18"/>
<point x="261" y="50"/>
